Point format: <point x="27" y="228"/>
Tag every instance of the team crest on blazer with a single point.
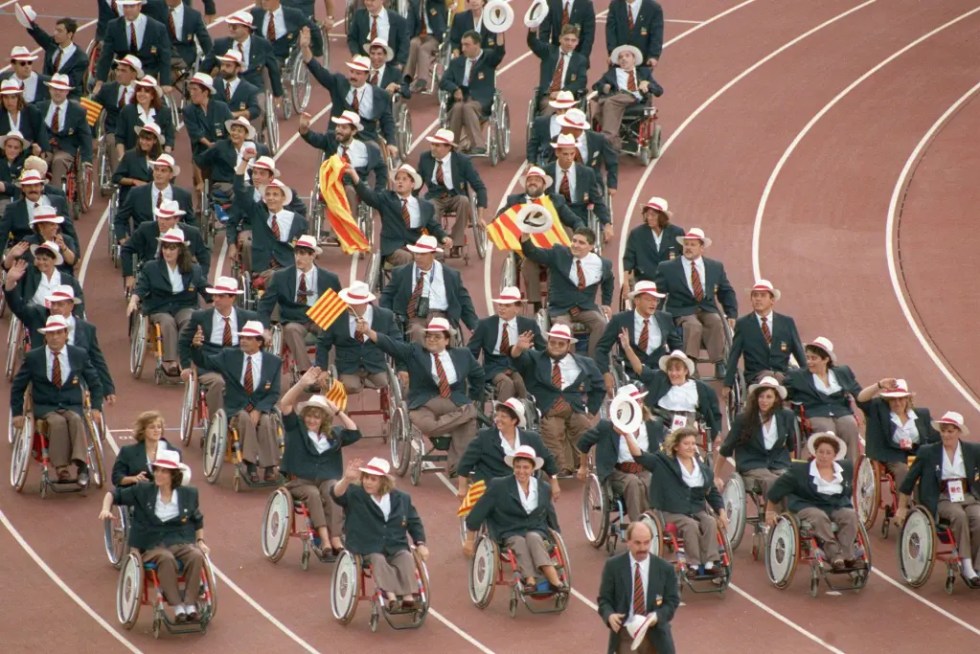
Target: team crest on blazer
<point x="268" y="385"/>
<point x="491" y="42"/>
<point x="643" y="31"/>
<point x="783" y="347"/>
<point x="241" y="106"/>
<point x="432" y="12"/>
<point x="71" y="131"/>
<point x="290" y="36"/>
<point x="153" y="50"/>
<point x="671" y="254"/>
<point x="585" y="197"/>
<point x="571" y="78"/>
<point x="660" y="600"/>
<point x="190" y="289"/>
<point x="74" y="381"/>
<point x="480" y="75"/>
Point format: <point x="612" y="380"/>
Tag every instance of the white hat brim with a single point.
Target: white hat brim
<point x="538" y="461"/>
<point x="536" y="14"/>
<point x="58" y="259"/>
<point x="665" y="359"/>
<point x="498" y="16"/>
<point x="625" y="413"/>
<point x="529" y="221"/>
<point x="842" y="449"/>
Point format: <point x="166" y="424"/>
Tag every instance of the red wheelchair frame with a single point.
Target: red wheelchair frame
<point x="349" y="588"/>
<point x="138" y="579"/>
<point x="666" y="537"/>
<point x="282" y="509"/>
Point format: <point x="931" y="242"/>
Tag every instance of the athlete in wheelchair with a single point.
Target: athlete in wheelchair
<point x="132" y="171"/>
<point x="281" y="26"/>
<point x="428" y="48"/>
<point x="47" y="226"/>
<point x="142" y="201"/>
<point x="144" y="244"/>
<point x="70" y="137"/>
<point x="470" y="94"/>
<point x="148" y="105"/>
<point x="562" y="68"/>
<point x="624" y="104"/>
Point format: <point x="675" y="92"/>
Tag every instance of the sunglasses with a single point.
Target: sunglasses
<point x="22" y="63"/>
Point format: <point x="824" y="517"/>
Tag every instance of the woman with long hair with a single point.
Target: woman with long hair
<point x="134" y="462"/>
<point x="146" y="107"/>
<point x="135" y="167"/>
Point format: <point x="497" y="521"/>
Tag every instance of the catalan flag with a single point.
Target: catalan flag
<point x="351" y="238"/>
<point x="474" y="493"/>
<point x="338" y="394"/>
<point x="92" y="110"/>
<point x="506" y="235"/>
<point x="327" y="309"/>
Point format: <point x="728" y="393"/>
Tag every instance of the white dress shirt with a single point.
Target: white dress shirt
<point x="692" y="478"/>
<point x="468" y="68"/>
<point x="954" y="469"/>
<point x="168" y="194"/>
<point x="30" y="86"/>
<point x="245" y="47"/>
<point x="566" y="57"/>
<point x="554" y="126"/>
<point x="46" y="286"/>
<point x="569" y="369"/>
<point x="769" y="432"/>
<point x="140" y="23"/>
<point x="434" y="287"/>
<point x="447" y="171"/>
<point x="512" y="335"/>
<point x="311" y="294"/>
<point x="687" y="263"/>
<point x="561" y="173"/>
<point x="63" y="359"/>
<point x="657" y="237"/>
<point x="591" y="266"/>
<point x="623" y="82"/>
<point x="280" y="22"/>
<point x="380" y="72"/>
<point x="178" y="16"/>
<point x="642" y="440"/>
<point x="218" y="328"/>
<point x="681" y="398"/>
<point x="654" y="336"/>
<point x="256" y="368"/>
<point x="365" y="100"/>
<point x="126" y="93"/>
<point x="384" y="504"/>
<point x="508" y="450"/>
<point x="176" y="279"/>
<point x="320" y="441"/>
<point x="529" y="500"/>
<point x="644" y="576"/>
<point x="447" y="365"/>
<point x="352" y="320"/>
<point x="66" y="54"/>
<point x="285" y="218"/>
<point x="13" y="118"/>
<point x="832" y="386"/>
<point x="62" y="114"/>
<point x="356" y="151"/>
<point x="384" y="26"/>
<point x="905" y="429"/>
<point x="582" y="144"/>
<point x="167" y="510"/>
<point x="833" y="487"/>
<point x="414" y="211"/>
<point x="71" y="329"/>
<point x="768" y="317"/>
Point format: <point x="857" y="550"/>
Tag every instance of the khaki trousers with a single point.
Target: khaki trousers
<point x="698" y="532"/>
<point x="61" y="162"/>
<point x="113" y="156"/>
<point x="170" y="326"/>
<point x="400" y="257"/>
<point x="612" y="110"/>
<point x="441" y="417"/>
<point x="421" y="55"/>
<point x="324" y="510"/>
<point x="214" y="388"/>
<point x="560" y="431"/>
<point x="66" y="437"/>
<point x="459" y="205"/>
<point x="531" y="552"/>
<point x="594" y="321"/>
<point x="166" y="559"/>
<point x="964" y="521"/>
<point x="706" y="327"/>
<point x="259" y="444"/>
<point x="468" y="113"/>
<point x="836" y="545"/>
<point x="763" y="476"/>
<point x="509" y="384"/>
<point x="845" y="426"/>
<point x="294" y="337"/>
<point x="394" y="574"/>
<point x="363" y="379"/>
<point x="634" y="489"/>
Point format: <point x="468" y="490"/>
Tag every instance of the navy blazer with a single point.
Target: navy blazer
<point x="35" y="317"/>
<point x="109" y="96"/>
<point x="563" y="293"/>
<point x="295" y="21"/>
<point x="144" y="246"/>
<point x="927" y="470"/>
<point x="463" y="22"/>
<point x="230" y="362"/>
<point x="30" y="282"/>
<point x="41" y="92"/>
<point x="106" y="15"/>
<point x="245" y="97"/>
<point x="381" y="122"/>
<point x="801" y="389"/>
<point x="351" y="354"/>
<point x="469" y="373"/>
<point x="156" y="294"/>
<point x="265" y="246"/>
<point x="31" y="123"/>
<point x="582" y="15"/>
<point x="393" y="74"/>
<point x="576" y="77"/>
<point x="74" y="66"/>
<point x="147" y="530"/>
<point x="376" y="163"/>
<point x="131" y="461"/>
<point x="129" y="119"/>
<point x="757" y="355"/>
<point x="210" y="124"/>
<point x="10" y="172"/>
<point x="643" y="74"/>
<point x="74" y="134"/>
<point x="584" y="393"/>
<point x="501" y="509"/>
<point x="647" y="33"/>
<point x="359" y="33"/>
<point x="798" y="487"/>
<point x="752" y="454"/>
<point x="193" y="30"/>
<point x="605" y="438"/>
<point x="138" y="209"/>
<point x="588" y="192"/>
<point x="658" y="384"/>
<point x="483" y="459"/>
<point x="16" y="224"/>
<point x="670" y="339"/>
<point x="464" y="174"/>
<point x="482" y="82"/>
<point x="398" y="291"/>
<point x="879" y="428"/>
<point x="668" y="490"/>
<point x="366" y="530"/>
<point x="154" y="53"/>
<point x="672" y="279"/>
<point x="220" y="160"/>
<point x="134" y="165"/>
<point x="234" y="222"/>
<point x="566" y="216"/>
<point x="45" y="395"/>
<point x="663" y="598"/>
<point x="203" y="318"/>
<point x="437" y="16"/>
<point x="600" y="154"/>
<point x="642" y="254"/>
<point x="261" y="59"/>
<point x="302" y="460"/>
<point x="281" y="290"/>
<point x="484" y="340"/>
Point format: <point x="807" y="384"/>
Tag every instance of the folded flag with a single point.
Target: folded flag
<point x="506" y="235"/>
<point x="92" y="110"/>
<point x="339" y="214"/>
<point x="474" y="493"/>
<point x="327" y="309"/>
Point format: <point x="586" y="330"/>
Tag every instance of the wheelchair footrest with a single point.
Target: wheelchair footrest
<point x="440" y="442"/>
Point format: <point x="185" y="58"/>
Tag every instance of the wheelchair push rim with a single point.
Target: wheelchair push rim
<point x="20" y="459"/>
<point x="215" y="444"/>
<point x="782" y="551"/>
<point x="867" y="491"/>
<point x="734" y="497"/>
<point x="276" y="524"/>
<point x="129" y="594"/>
<point x="345" y="587"/>
<point x="917" y="547"/>
<point x="115" y="534"/>
<point x="187" y="410"/>
<point x="595" y="512"/>
<point x="483" y="571"/>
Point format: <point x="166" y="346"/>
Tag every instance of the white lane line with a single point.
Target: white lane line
<point x="935" y="607"/>
<point x="624" y="232"/>
<point x="459" y="632"/>
<point x="898" y="194"/>
<point x="786" y="621"/>
<point x="65" y="587"/>
<point x="771" y="182"/>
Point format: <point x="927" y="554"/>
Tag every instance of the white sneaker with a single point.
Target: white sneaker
<point x="180" y="614"/>
<point x="709" y="566"/>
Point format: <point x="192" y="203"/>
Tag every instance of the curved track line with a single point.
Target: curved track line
<point x="771" y="182"/>
<point x="898" y="194"/>
<point x="65" y="587"/>
<point x="624" y="233"/>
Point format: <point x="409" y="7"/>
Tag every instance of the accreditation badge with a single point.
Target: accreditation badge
<point x="955" y="490"/>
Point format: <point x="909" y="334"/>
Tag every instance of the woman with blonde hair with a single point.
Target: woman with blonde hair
<point x="134" y="463"/>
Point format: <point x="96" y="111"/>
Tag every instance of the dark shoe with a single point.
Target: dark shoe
<point x="408" y="603"/>
<point x="720" y="370"/>
<point x="420" y="85"/>
<point x="837" y="564"/>
<point x="193" y="615"/>
<point x="478" y="152"/>
<point x="252" y="472"/>
<point x="270" y="474"/>
<point x="63" y="473"/>
<point x="180" y="618"/>
<point x="691" y="573"/>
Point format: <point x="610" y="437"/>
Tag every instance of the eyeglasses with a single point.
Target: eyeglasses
<point x="22" y="63"/>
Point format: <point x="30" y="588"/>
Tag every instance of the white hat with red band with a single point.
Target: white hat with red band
<point x="169" y="209"/>
<point x="53" y="324"/>
<point x="30" y="177"/>
<point x="427" y="244"/>
<point x="645" y="287"/>
<point x="253" y="328"/>
<point x="679" y="355"/>
<point x="265" y="163"/>
<point x="824" y="344"/>
<point x="10" y="87"/>
<point x="60" y="82"/>
<point x="376" y="466"/>
<point x="46" y="215"/>
<point x="61" y="293"/>
<point x="565" y="141"/>
<point x="26" y="16"/>
<point x="657" y="204"/>
<point x="168" y="161"/>
<point x="132" y="61"/>
<point x="153" y="129"/>
<point x="357" y="293"/>
<point x="173" y="235"/>
<point x="952" y="418"/>
<point x="409" y="170"/>
<point x="380" y="43"/>
<point x="625" y="410"/>
<point x="765" y="285"/>
<point x="284" y="188"/>
<point x="561" y="331"/>
<point x="232" y="56"/>
<point x="149" y="82"/>
<point x="351" y="118"/>
<point x="508" y="295"/>
<point x="517" y="407"/>
<point x="564" y="100"/>
<point x="242" y="122"/>
<point x="901" y="390"/>
<point x="203" y="80"/>
<point x="443" y="136"/>
<point x="240" y="18"/>
<point x="308" y="242"/>
<point x="535" y="171"/>
<point x="768" y="382"/>
<point x="225" y="286"/>
<point x="360" y="62"/>
<point x="439" y="325"/>
<point x="525" y="452"/>
<point x="52" y="247"/>
<point x="20" y="53"/>
<point x="694" y="234"/>
<point x="574" y="118"/>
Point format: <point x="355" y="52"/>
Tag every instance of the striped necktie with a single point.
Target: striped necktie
<point x="56" y="369"/>
<point x="444" y="389"/>
<point x="639" y="601"/>
<point x="249" y="382"/>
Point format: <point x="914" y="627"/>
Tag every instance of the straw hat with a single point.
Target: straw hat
<point x="525" y="452"/>
<point x="811" y="444"/>
<point x="679" y="355"/>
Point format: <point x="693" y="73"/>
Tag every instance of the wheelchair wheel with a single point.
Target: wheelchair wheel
<point x="595" y="511"/>
<point x="422" y="571"/>
<point x="301" y="88"/>
<point x="782" y="551"/>
<point x="208" y="602"/>
<point x="400" y="440"/>
<point x="102" y="167"/>
<point x="374" y="272"/>
<point x="484" y="570"/>
<point x="867" y="491"/>
<point x="531" y="110"/>
<point x="508" y="273"/>
<point x="403" y="125"/>
<point x="365" y="221"/>
<point x="503" y="127"/>
<point x="137" y="344"/>
<point x="86" y="187"/>
<point x="493" y="142"/>
<point x="275" y="343"/>
<point x="415" y="453"/>
<point x="171" y="106"/>
<point x="480" y="238"/>
<point x="95" y="456"/>
<point x="563" y="564"/>
<point x="655" y="524"/>
<point x="917" y="547"/>
<point x="271" y="123"/>
<point x="116" y="535"/>
<point x="655" y="142"/>
<point x="734" y="497"/>
<point x="276" y="524"/>
<point x="215" y="445"/>
<point x="187" y="408"/>
<point x="22" y="454"/>
<point x="93" y="51"/>
<point x="129" y="592"/>
<point x="345" y="588"/>
<point x="14" y="340"/>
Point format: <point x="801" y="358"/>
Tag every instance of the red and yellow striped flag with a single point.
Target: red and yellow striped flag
<point x="351" y="237"/>
<point x="338" y="394"/>
<point x="506" y="235"/>
<point x="92" y="110"/>
<point x="474" y="493"/>
<point x="327" y="309"/>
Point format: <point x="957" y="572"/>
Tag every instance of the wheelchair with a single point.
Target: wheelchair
<point x="214" y="205"/>
<point x="921" y="542"/>
<point x="391" y="405"/>
<point x="640" y="131"/>
<point x="139" y="586"/>
<point x="403" y="125"/>
<point x="411" y="454"/>
<point x="222" y="443"/>
<point x="791" y="541"/>
<point x="532" y="114"/>
<point x="604" y="517"/>
<point x="497" y="124"/>
<point x="348" y="586"/>
<point x="871" y="477"/>
<point x="93" y="51"/>
<point x="115" y="249"/>
<point x="115" y="535"/>
<point x="297" y="84"/>
<point x="579" y="331"/>
<point x="480" y="238"/>
<point x="285" y="518"/>
<point x="493" y="566"/>
<point x="180" y="74"/>
<point x="31" y="442"/>
<point x="278" y="347"/>
<point x="18" y="344"/>
<point x="144" y="334"/>
<point x="739" y="499"/>
<point x="79" y="186"/>
<point x="666" y="539"/>
<point x="269" y="134"/>
<point x="102" y="168"/>
<point x="193" y="411"/>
